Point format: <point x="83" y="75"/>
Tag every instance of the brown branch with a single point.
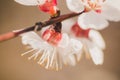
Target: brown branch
<point x="38" y="25"/>
<point x="7" y="36"/>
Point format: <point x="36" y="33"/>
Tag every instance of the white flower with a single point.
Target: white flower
<point x="52" y="56"/>
<point x="93" y="42"/>
<point x="97" y="12"/>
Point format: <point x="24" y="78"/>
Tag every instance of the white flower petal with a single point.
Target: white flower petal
<point x="114" y="3"/>
<point x="32" y="39"/>
<point x="67" y="24"/>
<point x="76" y="45"/>
<point x="67" y="54"/>
<point x="96" y="38"/>
<point x="92" y="20"/>
<point x="96" y="53"/>
<point x="64" y="41"/>
<point x="30" y="2"/>
<point x="111" y="13"/>
<point x="75" y="5"/>
<point x="29" y="36"/>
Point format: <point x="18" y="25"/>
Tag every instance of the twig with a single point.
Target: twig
<point x="39" y="26"/>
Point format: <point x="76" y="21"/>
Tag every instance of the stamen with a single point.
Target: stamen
<point x="35" y="55"/>
<point x="92" y="5"/>
<point x="48" y="61"/>
<point x="28" y="52"/>
<point x="57" y="65"/>
<point x="52" y="57"/>
<point x="60" y="62"/>
<point x="43" y="58"/>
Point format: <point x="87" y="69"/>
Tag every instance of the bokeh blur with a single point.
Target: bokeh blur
<point x="14" y="67"/>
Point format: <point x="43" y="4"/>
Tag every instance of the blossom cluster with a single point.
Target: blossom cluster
<point x="65" y="42"/>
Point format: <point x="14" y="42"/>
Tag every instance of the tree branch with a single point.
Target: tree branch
<point x="38" y="26"/>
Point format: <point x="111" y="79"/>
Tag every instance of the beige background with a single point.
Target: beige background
<point x="14" y="67"/>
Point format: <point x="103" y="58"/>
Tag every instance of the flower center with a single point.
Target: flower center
<point x="79" y="32"/>
<point x="93" y="5"/>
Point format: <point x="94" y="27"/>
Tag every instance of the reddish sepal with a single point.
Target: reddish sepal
<point x="52" y="36"/>
<point x="79" y="32"/>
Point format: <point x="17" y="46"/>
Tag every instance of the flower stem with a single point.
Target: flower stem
<point x="38" y="26"/>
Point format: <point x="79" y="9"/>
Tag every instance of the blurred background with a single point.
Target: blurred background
<point x="14" y="67"/>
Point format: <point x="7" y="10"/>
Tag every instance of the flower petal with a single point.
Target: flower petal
<point x="97" y="55"/>
<point x="76" y="46"/>
<point x="32" y="39"/>
<point x="114" y="3"/>
<point x="29" y="37"/>
<point x="67" y="54"/>
<point x="111" y="13"/>
<point x="75" y="5"/>
<point x="67" y="24"/>
<point x="96" y="37"/>
<point x="95" y="52"/>
<point x="92" y="20"/>
<point x="30" y="2"/>
<point x="64" y="41"/>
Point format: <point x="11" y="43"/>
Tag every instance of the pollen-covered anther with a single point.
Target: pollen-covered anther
<point x="93" y="5"/>
<point x="51" y="36"/>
